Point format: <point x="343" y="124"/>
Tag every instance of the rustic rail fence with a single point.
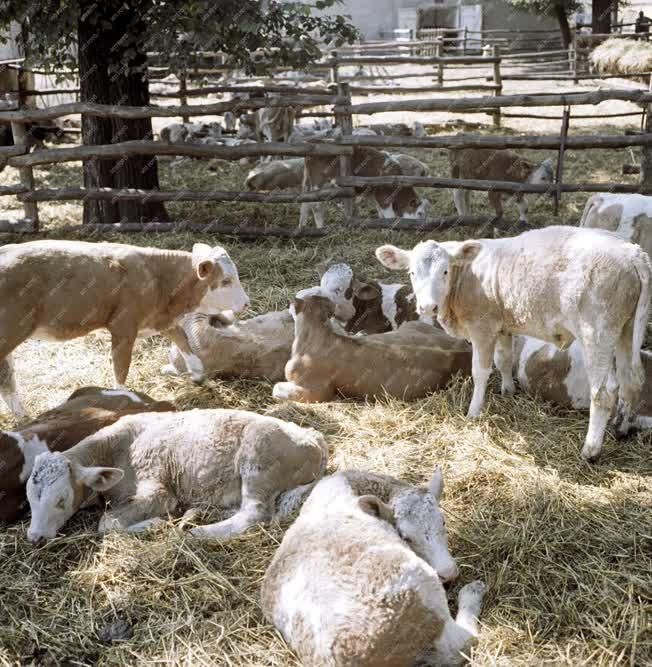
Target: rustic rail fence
<point x="344" y="110"/>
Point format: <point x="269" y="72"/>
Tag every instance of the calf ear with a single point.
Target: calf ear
<point x="467" y="251"/>
<point x="376" y="507"/>
<point x="393" y="258"/>
<point x="436" y="484"/>
<point x="99" y="479"/>
<point x="298" y="305"/>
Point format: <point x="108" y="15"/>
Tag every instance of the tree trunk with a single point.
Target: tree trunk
<point x="602" y="9"/>
<point x="564" y="27"/>
<point x="100" y="29"/>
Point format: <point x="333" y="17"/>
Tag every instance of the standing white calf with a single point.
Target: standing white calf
<point x="357" y="580"/>
<point x="629" y="216"/>
<point x="149" y="468"/>
<point x="557" y="284"/>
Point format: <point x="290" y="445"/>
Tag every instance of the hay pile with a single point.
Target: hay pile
<point x="622" y="56"/>
<point x="563" y="546"/>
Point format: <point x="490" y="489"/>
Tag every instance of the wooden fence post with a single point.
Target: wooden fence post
<point x="21" y="138"/>
<point x="440" y="65"/>
<point x="646" y="153"/>
<point x="560" y="159"/>
<point x="466" y="33"/>
<point x="572" y="59"/>
<point x="334" y="73"/>
<point x="183" y="98"/>
<point x="498" y="80"/>
<point x="345" y="122"/>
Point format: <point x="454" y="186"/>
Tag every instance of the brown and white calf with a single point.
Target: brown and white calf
<point x="357" y="579"/>
<point x="150" y="466"/>
<point x="486" y="164"/>
<point x="86" y="411"/>
<point x="406" y="364"/>
<point x="409" y="165"/>
<point x="65" y="289"/>
<point x="377" y="307"/>
<point x="560" y="376"/>
<point x="254" y="348"/>
<point x="559" y="284"/>
<point x="276" y="175"/>
<point x="390" y="201"/>
<point x="629" y="216"/>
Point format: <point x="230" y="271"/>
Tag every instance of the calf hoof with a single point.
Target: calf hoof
<point x="591" y="454"/>
<point x="472" y="593"/>
<point x="169" y="369"/>
<point x="510" y="390"/>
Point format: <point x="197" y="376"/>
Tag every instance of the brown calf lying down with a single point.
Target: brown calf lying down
<point x="390" y="201"/>
<point x="65" y="289"/>
<point x="86" y="411"/>
<point x="407" y="363"/>
<point x="487" y="164"/>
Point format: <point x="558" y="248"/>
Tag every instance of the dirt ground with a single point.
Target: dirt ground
<point x="565" y="547"/>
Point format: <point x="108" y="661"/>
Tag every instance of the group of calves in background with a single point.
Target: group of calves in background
<point x="565" y="309"/>
<point x="314" y="172"/>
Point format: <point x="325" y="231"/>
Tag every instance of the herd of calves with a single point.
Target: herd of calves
<point x="357" y="579"/>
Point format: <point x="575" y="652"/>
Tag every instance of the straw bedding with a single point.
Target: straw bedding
<point x="565" y="547"/>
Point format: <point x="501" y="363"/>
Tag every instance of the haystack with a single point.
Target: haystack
<point x="622" y="56"/>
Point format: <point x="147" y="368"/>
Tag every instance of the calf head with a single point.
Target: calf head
<point x="345" y="290"/>
<point x="431" y="266"/>
<point x="341" y="311"/>
<point x="217" y="271"/>
<point x="543" y="173"/>
<point x="417" y="209"/>
<point x="56" y="489"/>
<point x="315" y="307"/>
<point x="420" y="523"/>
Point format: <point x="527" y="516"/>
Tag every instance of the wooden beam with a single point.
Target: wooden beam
<point x="560" y="158"/>
<point x="548" y="142"/>
<point x="129" y="148"/>
<point x="109" y="194"/>
<point x="217" y="109"/>
<point x="414" y="60"/>
<point x="470" y="184"/>
<point x="476" y="103"/>
<point x="13" y="189"/>
<point x="207" y="228"/>
<point x="404" y="90"/>
<point x="291" y="89"/>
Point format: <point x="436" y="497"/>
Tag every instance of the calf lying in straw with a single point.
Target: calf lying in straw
<point x="407" y="363"/>
<point x="486" y="164"/>
<point x="358" y="577"/>
<point x="148" y="466"/>
<point x="258" y="347"/>
<point x="86" y="411"/>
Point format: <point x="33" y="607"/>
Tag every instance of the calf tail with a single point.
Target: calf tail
<point x="644" y="269"/>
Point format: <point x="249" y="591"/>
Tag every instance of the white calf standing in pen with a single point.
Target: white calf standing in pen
<point x="557" y="284"/>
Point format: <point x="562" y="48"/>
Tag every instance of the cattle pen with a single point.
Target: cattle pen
<point x="562" y="545"/>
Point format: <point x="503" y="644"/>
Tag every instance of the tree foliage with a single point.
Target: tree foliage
<point x="288" y="31"/>
<point x="547" y="7"/>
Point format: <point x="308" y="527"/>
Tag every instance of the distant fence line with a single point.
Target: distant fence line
<point x="343" y="109"/>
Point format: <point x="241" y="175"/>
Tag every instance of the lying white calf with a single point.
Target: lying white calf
<point x="258" y="347"/>
<point x="151" y="465"/>
<point x="357" y="580"/>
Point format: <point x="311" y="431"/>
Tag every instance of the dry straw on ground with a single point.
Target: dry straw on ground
<point x="565" y="547"/>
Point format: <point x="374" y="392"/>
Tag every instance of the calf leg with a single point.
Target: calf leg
<point x="182" y="349"/>
<point x="8" y="388"/>
<point x="483" y="350"/>
<point x="503" y="361"/>
<point x="631" y="378"/>
<point x="138" y="514"/>
<point x="122" y="345"/>
<point x="496" y="200"/>
<point x="603" y="385"/>
<point x="319" y="213"/>
<point x="522" y="208"/>
<point x="288" y="391"/>
<point x="461" y="201"/>
<point x="460" y="635"/>
<point x="255" y="508"/>
<point x="304" y="214"/>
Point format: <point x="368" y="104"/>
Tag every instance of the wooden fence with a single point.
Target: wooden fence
<point x="21" y="158"/>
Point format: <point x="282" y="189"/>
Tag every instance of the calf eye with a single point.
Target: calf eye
<point x="446" y="272"/>
<point x="227" y="282"/>
<point x="61" y="504"/>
